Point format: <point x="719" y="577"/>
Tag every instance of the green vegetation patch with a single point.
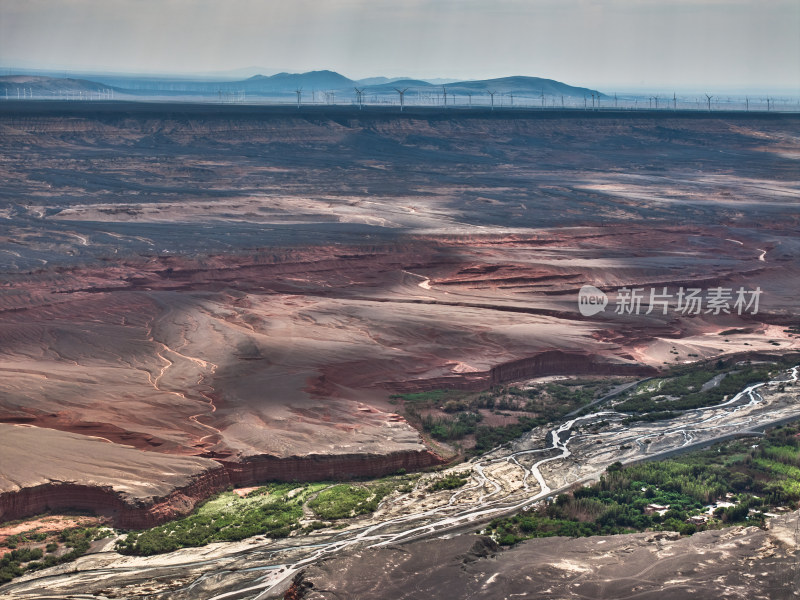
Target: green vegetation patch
<point x="537" y="405"/>
<point x="77" y="541"/>
<point x="663" y="398"/>
<point x="753" y="477"/>
<point x="345" y="501"/>
<point x="449" y="482"/>
<point x="274" y="510"/>
<point x="487" y="438"/>
<point x="23" y="538"/>
<point x="451" y="428"/>
<point x="429" y="398"/>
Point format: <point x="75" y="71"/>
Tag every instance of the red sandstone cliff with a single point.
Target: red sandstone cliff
<point x="138" y="513"/>
<point x="321" y="467"/>
<point x="125" y="512"/>
<point x="550" y="362"/>
<point x="556" y="362"/>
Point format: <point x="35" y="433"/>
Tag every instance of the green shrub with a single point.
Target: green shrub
<point x="450" y="482"/>
<point x="617" y="503"/>
<point x="345" y="501"/>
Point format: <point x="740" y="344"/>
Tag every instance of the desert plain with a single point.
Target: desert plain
<point x="199" y="296"/>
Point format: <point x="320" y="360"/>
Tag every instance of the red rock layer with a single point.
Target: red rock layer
<point x="125" y="512"/>
<point x="326" y="467"/>
<point x="554" y="362"/>
<point x="136" y="513"/>
<point x="551" y="362"/>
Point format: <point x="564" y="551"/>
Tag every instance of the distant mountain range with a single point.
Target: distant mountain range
<point x="314" y="85"/>
<point x="24" y="86"/>
<point x="289" y="82"/>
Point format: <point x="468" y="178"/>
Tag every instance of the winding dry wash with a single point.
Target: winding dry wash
<point x="200" y="296"/>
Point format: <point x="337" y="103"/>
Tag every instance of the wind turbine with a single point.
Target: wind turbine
<point x="402" y="95"/>
<point x="492" y="96"/>
<point x="359" y="95"/>
<point x="747" y="104"/>
<point x="708" y="98"/>
<point x="470" y="98"/>
<point x="299" y="92"/>
<point x="511" y="95"/>
<point x="444" y="96"/>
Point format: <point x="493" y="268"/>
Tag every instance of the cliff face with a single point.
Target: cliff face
<point x="555" y="362"/>
<point x="322" y="467"/>
<point x="41" y="498"/>
<point x="551" y="362"/>
<point x="139" y="513"/>
<point x="127" y="513"/>
<point x="177" y="504"/>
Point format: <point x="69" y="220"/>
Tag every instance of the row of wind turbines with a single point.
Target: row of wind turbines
<point x="27" y="93"/>
<point x="441" y="99"/>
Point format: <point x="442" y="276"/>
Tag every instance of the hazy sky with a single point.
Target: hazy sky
<point x="608" y="44"/>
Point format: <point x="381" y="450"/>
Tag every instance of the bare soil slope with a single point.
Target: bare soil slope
<point x="730" y="563"/>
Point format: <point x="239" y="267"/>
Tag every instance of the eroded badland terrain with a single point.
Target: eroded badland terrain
<point x="201" y="296"/>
